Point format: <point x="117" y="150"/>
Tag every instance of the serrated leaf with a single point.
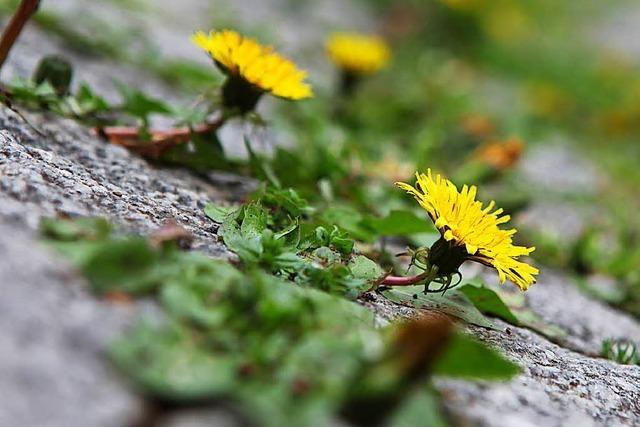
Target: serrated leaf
<point x="254" y="221"/>
<point x="362" y="267"/>
<point x="218" y="213"/>
<point x="188" y="296"/>
<point x="285" y="198"/>
<point x="166" y="363"/>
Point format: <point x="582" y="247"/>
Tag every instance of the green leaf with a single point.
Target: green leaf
<point x="188" y="295"/>
<point x="489" y="302"/>
<point x="26" y="91"/>
<point x="350" y="220"/>
<point x="341" y="242"/>
<point x="320" y="236"/>
<point x="362" y="267"/>
<point x="284" y="198"/>
<point x="254" y="221"/>
<point x="399" y="223"/>
<point x="79" y="229"/>
<point x="261" y="167"/>
<point x="203" y="154"/>
<point x="468" y="358"/>
<point x="167" y="363"/>
<point x="218" y="213"/>
<point x="453" y="303"/>
<point x="188" y="116"/>
<point x="420" y="408"/>
<point x="287" y="230"/>
<point x="335" y="279"/>
<point x="138" y="104"/>
<point x="123" y="265"/>
<point x="509" y="307"/>
<point x="88" y="102"/>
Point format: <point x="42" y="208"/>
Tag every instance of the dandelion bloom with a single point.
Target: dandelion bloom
<point x="356" y="53"/>
<point x="469" y="231"/>
<point x="253" y="69"/>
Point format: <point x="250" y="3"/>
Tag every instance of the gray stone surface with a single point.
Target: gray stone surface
<point x="69" y="172"/>
<point x="620" y="31"/>
<point x="588" y="322"/>
<point x="52" y="338"/>
<point x="52" y="367"/>
<point x="98" y="71"/>
<point x="557" y="387"/>
<point x="557" y="167"/>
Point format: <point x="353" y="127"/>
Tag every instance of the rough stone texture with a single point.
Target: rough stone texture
<point x="52" y="372"/>
<point x="558" y="301"/>
<point x="69" y="172"/>
<point x="557" y="387"/>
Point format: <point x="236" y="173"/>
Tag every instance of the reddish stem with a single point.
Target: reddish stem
<point x="14" y="28"/>
<point x="403" y="281"/>
<point x="160" y="140"/>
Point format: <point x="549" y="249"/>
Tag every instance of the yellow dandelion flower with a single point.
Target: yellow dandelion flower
<point x="357" y="53"/>
<point x="469" y="231"/>
<point x="253" y="69"/>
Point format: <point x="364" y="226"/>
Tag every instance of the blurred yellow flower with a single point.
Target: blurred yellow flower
<point x="547" y="100"/>
<point x="259" y="67"/>
<point x="357" y="53"/>
<point x="506" y="23"/>
<point x="469" y="232"/>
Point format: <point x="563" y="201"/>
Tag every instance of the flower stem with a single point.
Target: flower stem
<point x="14" y="28"/>
<point x="405" y="280"/>
<point x="160" y="140"/>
